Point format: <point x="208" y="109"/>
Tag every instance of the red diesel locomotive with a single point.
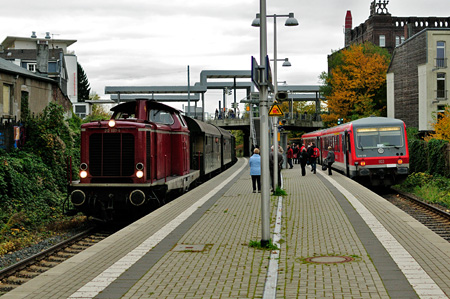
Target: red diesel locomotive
<point x="129" y="163"/>
<point x="372" y="150"/>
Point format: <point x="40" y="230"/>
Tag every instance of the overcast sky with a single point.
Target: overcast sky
<point x="151" y="42"/>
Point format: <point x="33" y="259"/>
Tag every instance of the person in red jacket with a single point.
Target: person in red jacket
<point x="289" y="156"/>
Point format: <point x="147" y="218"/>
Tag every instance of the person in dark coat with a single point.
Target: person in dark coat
<point x="330" y="159"/>
<point x="296" y="153"/>
<point x="303" y="160"/>
<point x="280" y="164"/>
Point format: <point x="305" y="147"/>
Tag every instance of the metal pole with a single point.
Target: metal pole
<point x="275" y="119"/>
<point x="264" y="126"/>
<point x="189" y="92"/>
<point x="235" y="106"/>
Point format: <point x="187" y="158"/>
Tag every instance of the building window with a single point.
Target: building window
<point x="441" y="61"/>
<point x="80" y="111"/>
<point x="31" y="67"/>
<point x="382" y="41"/>
<point x="399" y="40"/>
<point x="7" y="100"/>
<point x="440" y="112"/>
<point x="441" y="92"/>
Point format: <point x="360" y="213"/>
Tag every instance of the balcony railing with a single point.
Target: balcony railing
<point x="441" y="63"/>
<point x="441" y="95"/>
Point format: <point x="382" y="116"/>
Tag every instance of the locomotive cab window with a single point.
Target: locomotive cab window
<point x="160" y="116"/>
<point x="368" y="138"/>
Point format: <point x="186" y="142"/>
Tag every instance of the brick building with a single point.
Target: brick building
<point x="386" y="31"/>
<point x="417" y="78"/>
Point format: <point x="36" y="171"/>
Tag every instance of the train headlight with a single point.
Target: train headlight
<point x="363" y="163"/>
<point x="139" y="174"/>
<point x="83" y="174"/>
<point x="111" y="123"/>
<point x="83" y="166"/>
<point x="400" y="161"/>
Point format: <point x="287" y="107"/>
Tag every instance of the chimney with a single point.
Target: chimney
<point x="47" y="35"/>
<point x="33" y="34"/>
<point x="42" y="57"/>
<point x="348" y="27"/>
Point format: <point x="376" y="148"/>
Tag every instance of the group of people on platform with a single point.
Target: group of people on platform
<point x="295" y="154"/>
<point x="229" y="114"/>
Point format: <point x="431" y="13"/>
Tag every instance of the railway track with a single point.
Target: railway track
<point x="432" y="216"/>
<point x="27" y="269"/>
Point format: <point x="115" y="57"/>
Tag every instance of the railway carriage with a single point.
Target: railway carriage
<point x="372" y="150"/>
<point x="146" y="149"/>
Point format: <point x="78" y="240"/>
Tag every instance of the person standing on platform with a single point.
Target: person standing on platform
<point x="330" y="159"/>
<point x="289" y="156"/>
<point x="295" y="152"/>
<point x="255" y="170"/>
<point x="303" y="160"/>
<point x="280" y="163"/>
<point x="313" y="153"/>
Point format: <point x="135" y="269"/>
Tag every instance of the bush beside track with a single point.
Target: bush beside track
<point x="33" y="180"/>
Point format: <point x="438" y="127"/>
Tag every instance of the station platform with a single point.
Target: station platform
<point x="336" y="239"/>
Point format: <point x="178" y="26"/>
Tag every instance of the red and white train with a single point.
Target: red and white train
<point x="372" y="150"/>
<point x="146" y="149"/>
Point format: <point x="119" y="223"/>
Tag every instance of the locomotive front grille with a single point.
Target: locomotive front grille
<point x="111" y="154"/>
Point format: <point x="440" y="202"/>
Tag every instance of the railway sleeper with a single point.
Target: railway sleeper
<point x="28" y="274"/>
<point x="6" y="287"/>
<point x="15" y="280"/>
<point x="38" y="269"/>
<point x="48" y="264"/>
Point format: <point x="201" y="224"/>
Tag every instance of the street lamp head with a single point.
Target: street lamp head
<point x="291" y="21"/>
<point x="257" y="21"/>
<point x="286" y="62"/>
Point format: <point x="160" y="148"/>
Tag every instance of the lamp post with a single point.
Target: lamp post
<point x="291" y="21"/>
<point x="264" y="124"/>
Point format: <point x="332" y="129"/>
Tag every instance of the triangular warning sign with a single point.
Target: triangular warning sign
<point x="275" y="111"/>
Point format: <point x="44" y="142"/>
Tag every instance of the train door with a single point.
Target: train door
<point x="346" y="149"/>
<point x="320" y="147"/>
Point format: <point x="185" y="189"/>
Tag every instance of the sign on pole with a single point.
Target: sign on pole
<point x="275" y="111"/>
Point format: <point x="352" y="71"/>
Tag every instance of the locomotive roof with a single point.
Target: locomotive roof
<point x="131" y="106"/>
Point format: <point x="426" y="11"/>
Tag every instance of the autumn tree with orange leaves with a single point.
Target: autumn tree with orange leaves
<point x="356" y="85"/>
<point x="442" y="126"/>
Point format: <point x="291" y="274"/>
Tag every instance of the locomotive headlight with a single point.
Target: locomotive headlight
<point x="363" y="163"/>
<point x="83" y="174"/>
<point x="400" y="161"/>
<point x="111" y="123"/>
<point x="140" y="168"/>
<point x="83" y="166"/>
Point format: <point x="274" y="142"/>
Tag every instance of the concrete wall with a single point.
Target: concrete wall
<point x="40" y="94"/>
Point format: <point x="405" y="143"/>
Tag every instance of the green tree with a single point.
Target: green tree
<point x="84" y="88"/>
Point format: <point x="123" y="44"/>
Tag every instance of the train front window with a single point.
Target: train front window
<point x="161" y="116"/>
<point x="369" y="138"/>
